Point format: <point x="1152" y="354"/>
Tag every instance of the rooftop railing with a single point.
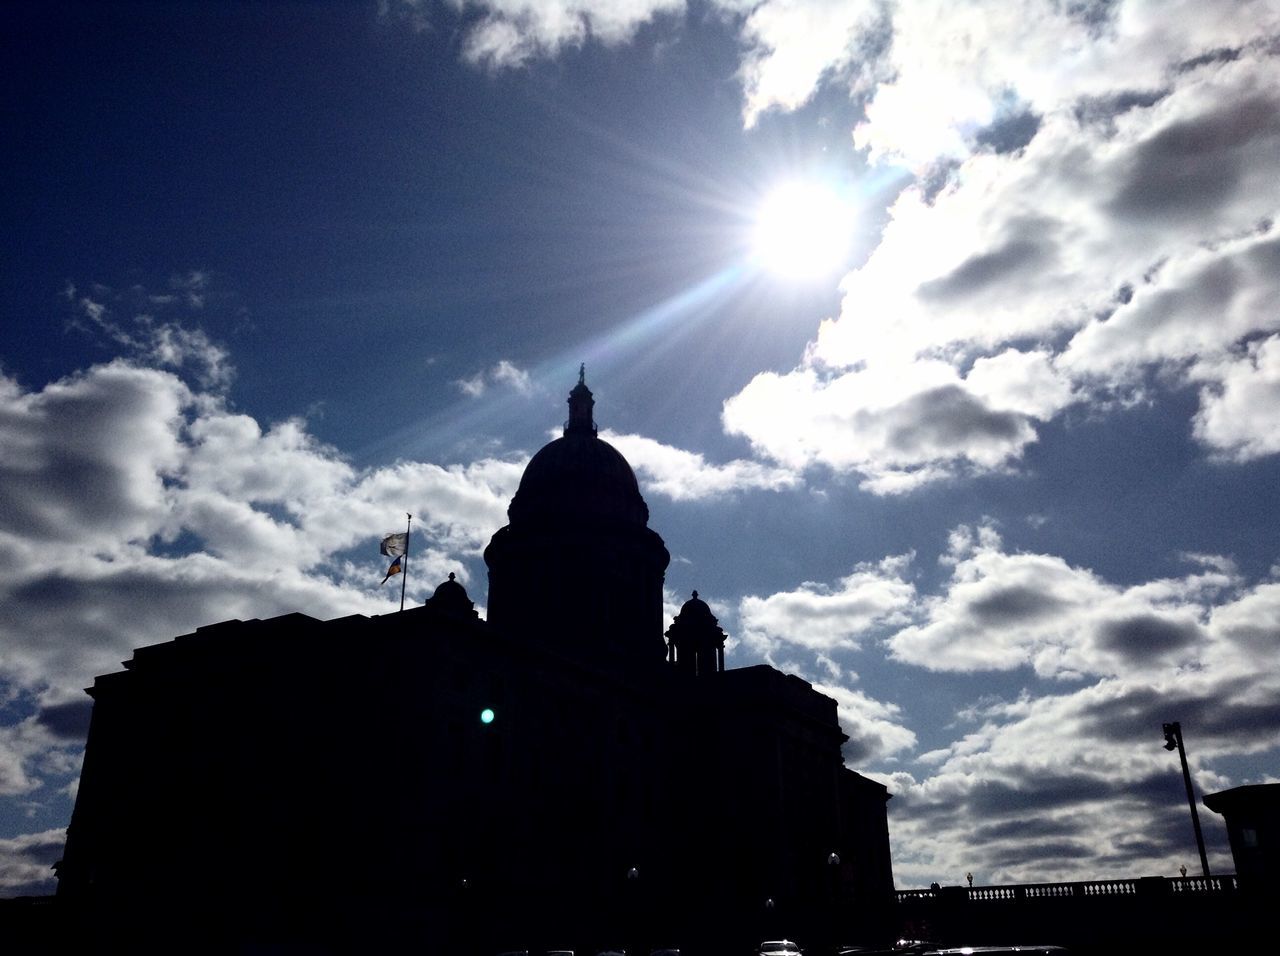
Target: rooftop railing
<point x="1147" y="885"/>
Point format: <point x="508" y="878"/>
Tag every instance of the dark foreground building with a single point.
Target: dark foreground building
<point x="559" y="775"/>
<point x="1252" y="815"/>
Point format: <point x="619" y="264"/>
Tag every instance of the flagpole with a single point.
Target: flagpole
<point x="404" y="578"/>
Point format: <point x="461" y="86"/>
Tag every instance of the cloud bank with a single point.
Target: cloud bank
<point x="1120" y="225"/>
<point x="1064" y="779"/>
<point x="1093" y="180"/>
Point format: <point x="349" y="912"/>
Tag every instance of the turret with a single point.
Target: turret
<point x="695" y="641"/>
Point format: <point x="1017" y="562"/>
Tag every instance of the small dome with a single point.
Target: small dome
<point x="695" y="617"/>
<point x="451" y="598"/>
<point x="697" y="610"/>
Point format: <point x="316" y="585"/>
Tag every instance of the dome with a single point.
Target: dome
<point x="577" y="567"/>
<point x="697" y="611"/>
<point x="695" y="621"/>
<point x="579" y="478"/>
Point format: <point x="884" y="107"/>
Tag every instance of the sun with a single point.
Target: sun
<point x="802" y="230"/>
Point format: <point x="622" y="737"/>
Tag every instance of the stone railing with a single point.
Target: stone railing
<point x="1144" y="886"/>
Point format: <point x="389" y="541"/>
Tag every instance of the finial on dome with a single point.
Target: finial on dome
<point x="451" y="575"/>
<point x="695" y="595"/>
<point x="580" y="405"/>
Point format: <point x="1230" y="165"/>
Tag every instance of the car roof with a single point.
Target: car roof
<point x="993" y="950"/>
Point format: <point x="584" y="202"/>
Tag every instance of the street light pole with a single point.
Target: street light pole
<point x="633" y="896"/>
<point x="1173" y="740"/>
<point x="833" y="867"/>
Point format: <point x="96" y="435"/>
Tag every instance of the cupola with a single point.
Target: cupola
<point x="451" y="599"/>
<point x="695" y="641"/>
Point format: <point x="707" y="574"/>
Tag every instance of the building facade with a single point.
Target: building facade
<point x="560" y="774"/>
<point x="1252" y="815"/>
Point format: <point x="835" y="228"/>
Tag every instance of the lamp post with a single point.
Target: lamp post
<point x="833" y="867"/>
<point x="633" y="895"/>
<point x="1173" y="741"/>
<point x="468" y="916"/>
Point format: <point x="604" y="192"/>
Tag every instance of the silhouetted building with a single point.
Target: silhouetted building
<point x="1252" y="815"/>
<point x="555" y="774"/>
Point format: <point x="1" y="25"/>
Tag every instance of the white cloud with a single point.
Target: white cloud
<point x="504" y="372"/>
<point x="508" y="33"/>
<point x="1077" y="786"/>
<point x="87" y="458"/>
<point x="473" y="386"/>
<point x="898" y="427"/>
<point x="1239" y="412"/>
<point x="169" y="343"/>
<point x="934" y="71"/>
<point x="139" y="509"/>
<point x="1062" y="272"/>
<point x="192" y="286"/>
<point x="1112" y="171"/>
<point x="1001" y="611"/>
<point x="951" y="66"/>
<point x="1023" y="382"/>
<point x="1164" y="322"/>
<point x="823" y="618"/>
<point x="874" y="727"/>
<point x="1024" y="246"/>
<point x="26" y="863"/>
<point x="507" y="374"/>
<point x="1248" y="629"/>
<point x="817" y="623"/>
<point x="1058" y="786"/>
<point x="27" y="749"/>
<point x="793" y="45"/>
<point x="687" y="476"/>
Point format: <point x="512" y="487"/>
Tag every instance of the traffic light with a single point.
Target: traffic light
<point x="487" y="715"/>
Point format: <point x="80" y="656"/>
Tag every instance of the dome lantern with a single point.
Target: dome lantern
<point x="581" y="404"/>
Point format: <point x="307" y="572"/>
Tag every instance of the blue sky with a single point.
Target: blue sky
<point x="984" y="443"/>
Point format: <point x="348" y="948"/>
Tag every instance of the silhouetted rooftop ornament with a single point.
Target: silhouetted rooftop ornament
<point x="451" y="598"/>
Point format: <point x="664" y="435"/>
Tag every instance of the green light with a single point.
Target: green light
<point x="486" y="715"/>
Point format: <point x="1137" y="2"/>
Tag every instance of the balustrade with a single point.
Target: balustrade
<point x="1183" y="887"/>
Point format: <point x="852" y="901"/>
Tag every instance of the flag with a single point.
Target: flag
<point x="396" y="566"/>
<point x="394" y="545"/>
